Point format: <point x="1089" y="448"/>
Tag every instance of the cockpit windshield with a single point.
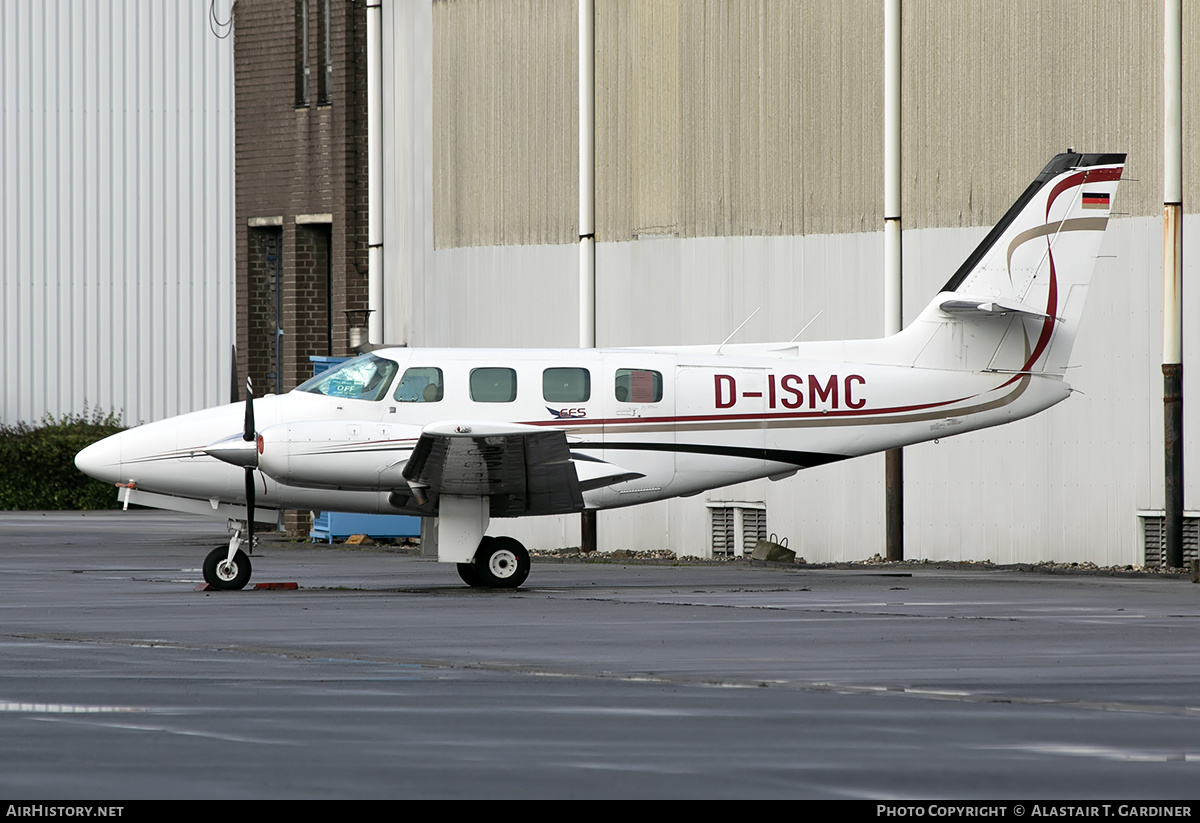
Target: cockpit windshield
<point x="366" y="377"/>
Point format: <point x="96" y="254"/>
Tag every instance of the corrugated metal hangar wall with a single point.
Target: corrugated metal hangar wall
<point x="739" y="165"/>
<point x="116" y="212"/>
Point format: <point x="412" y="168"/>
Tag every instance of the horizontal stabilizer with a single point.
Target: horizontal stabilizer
<point x="595" y="474"/>
<point x="982" y="307"/>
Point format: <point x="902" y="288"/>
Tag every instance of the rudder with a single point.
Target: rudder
<point x="1014" y="304"/>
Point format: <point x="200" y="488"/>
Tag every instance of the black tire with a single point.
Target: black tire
<point x="467" y="572"/>
<point x="226" y="576"/>
<point x="501" y="563"/>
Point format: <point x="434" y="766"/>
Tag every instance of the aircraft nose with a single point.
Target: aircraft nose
<point x="102" y="460"/>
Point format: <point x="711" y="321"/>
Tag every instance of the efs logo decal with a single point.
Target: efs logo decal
<point x="565" y="414"/>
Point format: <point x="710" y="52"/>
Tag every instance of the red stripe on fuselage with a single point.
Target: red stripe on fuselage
<point x="752" y="417"/>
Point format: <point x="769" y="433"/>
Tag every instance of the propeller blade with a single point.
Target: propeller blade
<point x="248" y="432"/>
<point x="250" y="509"/>
<point x="233" y="381"/>
<point x="249" y="435"/>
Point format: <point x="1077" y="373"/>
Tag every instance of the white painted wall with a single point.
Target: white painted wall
<point x="116" y="208"/>
<point x="1065" y="485"/>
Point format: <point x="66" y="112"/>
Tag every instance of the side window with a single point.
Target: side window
<point x="493" y="385"/>
<point x="566" y="385"/>
<point x="420" y="385"/>
<point x="301" y="47"/>
<point x="638" y="386"/>
<point x="366" y="377"/>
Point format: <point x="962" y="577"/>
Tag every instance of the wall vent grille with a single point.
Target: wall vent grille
<point x="736" y="527"/>
<point x="1154" y="537"/>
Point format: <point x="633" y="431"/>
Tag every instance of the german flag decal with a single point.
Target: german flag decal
<point x="1095" y="200"/>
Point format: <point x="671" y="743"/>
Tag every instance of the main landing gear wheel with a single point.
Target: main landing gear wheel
<point x="500" y="563"/>
<point x="467" y="572"/>
<point x="221" y="573"/>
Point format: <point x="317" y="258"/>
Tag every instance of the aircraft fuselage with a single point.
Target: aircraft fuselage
<point x="685" y="421"/>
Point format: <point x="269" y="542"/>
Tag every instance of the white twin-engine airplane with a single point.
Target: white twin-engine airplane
<point x="465" y="435"/>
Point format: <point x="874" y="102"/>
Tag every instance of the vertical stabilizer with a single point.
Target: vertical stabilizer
<point x="1014" y="304"/>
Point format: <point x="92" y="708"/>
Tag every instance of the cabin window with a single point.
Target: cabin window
<point x="325" y="47"/>
<point x="566" y="385"/>
<point x="367" y="377"/>
<point x="420" y="385"/>
<point x="493" y="385"/>
<point x="638" y="386"/>
<point x="301" y="48"/>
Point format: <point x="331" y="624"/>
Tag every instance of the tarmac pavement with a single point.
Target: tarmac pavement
<point x="384" y="676"/>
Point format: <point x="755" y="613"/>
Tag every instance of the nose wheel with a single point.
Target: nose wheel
<point x="225" y="574"/>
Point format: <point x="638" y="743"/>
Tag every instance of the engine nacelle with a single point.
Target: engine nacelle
<point x="342" y="454"/>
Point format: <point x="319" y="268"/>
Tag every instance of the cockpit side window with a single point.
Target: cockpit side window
<point x="638" y="386"/>
<point x="367" y="377"/>
<point x="420" y="385"/>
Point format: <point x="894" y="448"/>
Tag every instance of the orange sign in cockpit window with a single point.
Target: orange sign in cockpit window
<point x="639" y="386"/>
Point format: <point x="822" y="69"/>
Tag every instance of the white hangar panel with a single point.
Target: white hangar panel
<point x="487" y="295"/>
<point x="496" y="296"/>
<point x="694" y="291"/>
<point x="1065" y="485"/>
<point x="666" y="291"/>
<point x="116" y="208"/>
<point x="407" y="167"/>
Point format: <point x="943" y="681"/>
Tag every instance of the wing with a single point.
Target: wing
<point x="522" y="470"/>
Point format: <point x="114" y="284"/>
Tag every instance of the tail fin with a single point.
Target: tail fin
<point x="1014" y="304"/>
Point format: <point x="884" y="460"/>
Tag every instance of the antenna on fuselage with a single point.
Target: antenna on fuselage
<point x="806" y="325"/>
<point x="735" y="331"/>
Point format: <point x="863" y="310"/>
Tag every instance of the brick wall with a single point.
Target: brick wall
<point x="306" y="305"/>
<point x="256" y="326"/>
<point x="298" y="160"/>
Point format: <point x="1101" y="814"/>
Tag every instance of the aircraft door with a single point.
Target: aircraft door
<point x="638" y="395"/>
